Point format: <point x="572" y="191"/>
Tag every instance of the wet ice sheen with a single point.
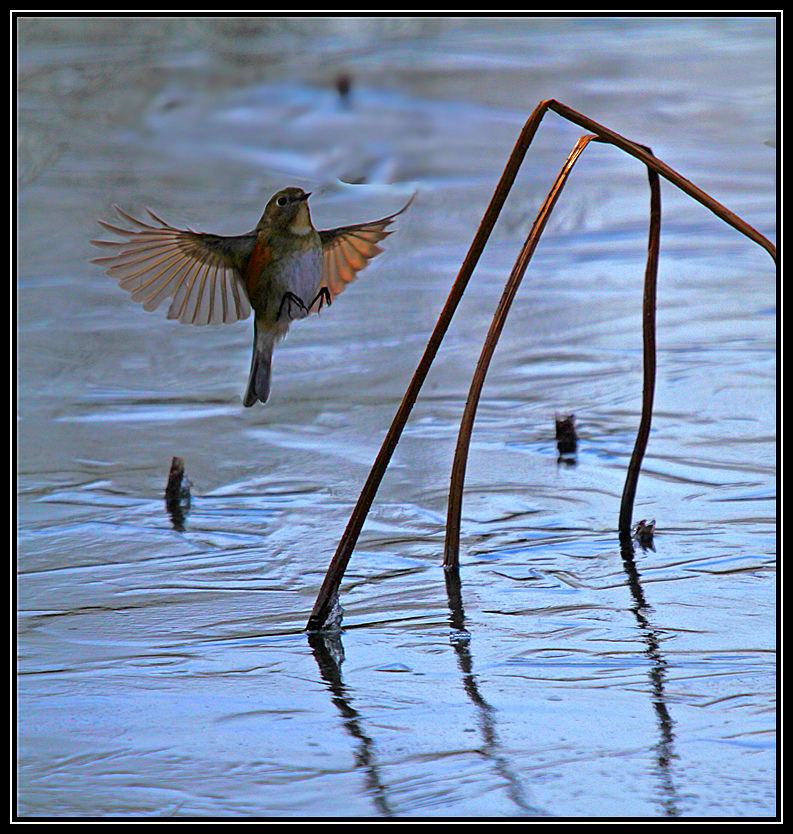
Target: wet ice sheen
<point x="168" y="673"/>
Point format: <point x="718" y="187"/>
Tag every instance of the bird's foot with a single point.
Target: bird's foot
<point x="323" y="297"/>
<point x="289" y="298"/>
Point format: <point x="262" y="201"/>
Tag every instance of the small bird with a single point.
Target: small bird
<point x="284" y="269"/>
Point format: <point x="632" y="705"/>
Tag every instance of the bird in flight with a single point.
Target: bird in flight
<point x="284" y="269"/>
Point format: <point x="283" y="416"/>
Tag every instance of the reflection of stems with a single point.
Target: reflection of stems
<point x="664" y="748"/>
<point x="329" y="654"/>
<point x="487" y="714"/>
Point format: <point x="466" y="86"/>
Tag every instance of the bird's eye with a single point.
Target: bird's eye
<point x="282" y="200"/>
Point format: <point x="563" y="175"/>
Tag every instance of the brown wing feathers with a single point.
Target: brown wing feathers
<point x="348" y="249"/>
<point x="201" y="273"/>
<point x="197" y="271"/>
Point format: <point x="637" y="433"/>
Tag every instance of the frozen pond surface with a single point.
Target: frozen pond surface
<point x="168" y="673"/>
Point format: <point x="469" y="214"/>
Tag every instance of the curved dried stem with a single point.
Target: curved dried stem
<point x="338" y="565"/>
<point x="335" y="572"/>
<point x="452" y="546"/>
<point x="648" y="338"/>
<point x="643" y="154"/>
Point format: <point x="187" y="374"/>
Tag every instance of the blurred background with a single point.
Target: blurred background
<point x="163" y="667"/>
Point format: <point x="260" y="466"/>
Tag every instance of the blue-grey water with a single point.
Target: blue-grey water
<point x="167" y="672"/>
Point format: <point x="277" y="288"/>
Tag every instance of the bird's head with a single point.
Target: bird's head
<point x="288" y="210"/>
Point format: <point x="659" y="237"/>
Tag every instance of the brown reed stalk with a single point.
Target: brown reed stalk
<point x="644" y="155"/>
<point x="452" y="544"/>
<point x="454" y="509"/>
<point x="648" y="355"/>
<point x="329" y="589"/>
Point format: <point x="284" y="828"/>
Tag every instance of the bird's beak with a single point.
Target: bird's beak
<point x="306" y="196"/>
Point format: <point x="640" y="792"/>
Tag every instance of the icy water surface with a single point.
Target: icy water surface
<point x="167" y="672"/>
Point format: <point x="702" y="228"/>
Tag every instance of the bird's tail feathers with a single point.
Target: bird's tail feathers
<point x="259" y="378"/>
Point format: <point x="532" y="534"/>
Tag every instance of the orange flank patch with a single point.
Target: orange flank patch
<point x="260" y="257"/>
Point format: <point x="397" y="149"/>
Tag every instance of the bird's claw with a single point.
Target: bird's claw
<point x="323" y="297"/>
<point x="290" y="298"/>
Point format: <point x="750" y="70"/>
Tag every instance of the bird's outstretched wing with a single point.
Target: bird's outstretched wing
<point x="200" y="272"/>
<point x="348" y="249"/>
